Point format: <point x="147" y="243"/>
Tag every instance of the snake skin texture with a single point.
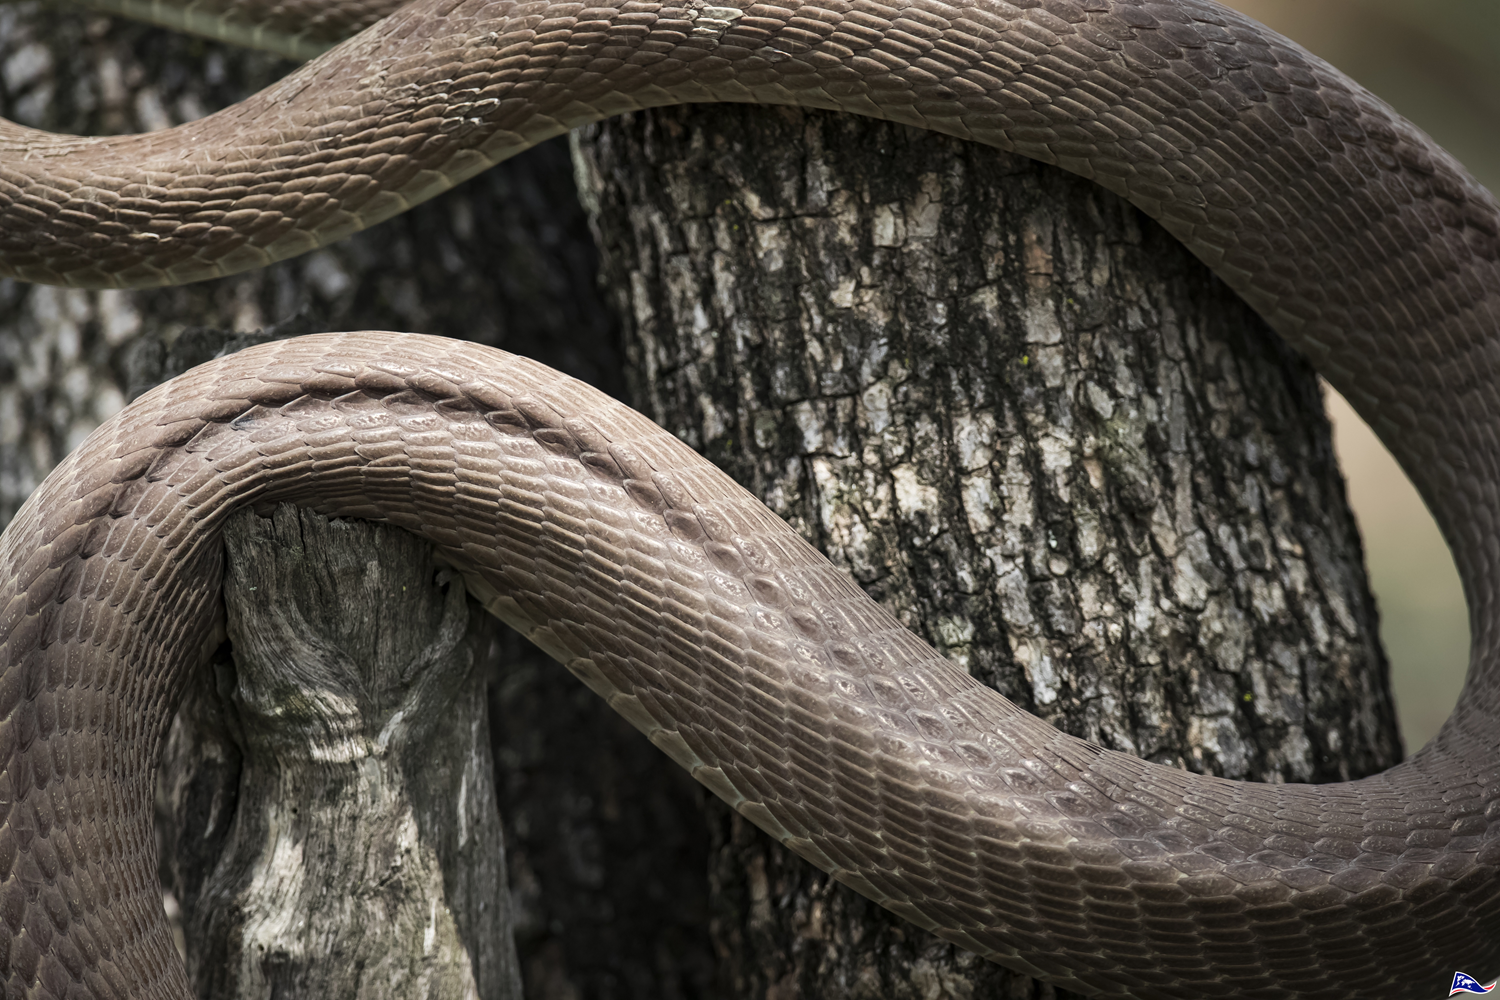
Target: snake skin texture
<point x="701" y="617"/>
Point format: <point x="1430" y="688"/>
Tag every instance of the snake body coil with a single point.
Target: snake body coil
<point x="701" y="617"/>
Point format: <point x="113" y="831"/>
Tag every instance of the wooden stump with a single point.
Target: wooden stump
<point x="339" y="836"/>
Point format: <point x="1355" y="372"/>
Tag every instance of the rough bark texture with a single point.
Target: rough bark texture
<point x="1026" y="420"/>
<point x="603" y="833"/>
<point x="355" y="848"/>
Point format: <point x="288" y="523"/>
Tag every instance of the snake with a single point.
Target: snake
<point x="703" y="619"/>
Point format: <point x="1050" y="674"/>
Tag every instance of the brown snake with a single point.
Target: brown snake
<point x="673" y="593"/>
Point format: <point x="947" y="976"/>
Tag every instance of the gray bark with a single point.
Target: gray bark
<point x="1026" y="420"/>
<point x="355" y="849"/>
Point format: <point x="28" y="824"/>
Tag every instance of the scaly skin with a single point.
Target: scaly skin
<point x="678" y="597"/>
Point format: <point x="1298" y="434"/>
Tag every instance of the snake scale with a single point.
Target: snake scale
<point x="674" y="594"/>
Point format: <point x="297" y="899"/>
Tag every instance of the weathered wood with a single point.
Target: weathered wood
<point x="1026" y="420"/>
<point x="356" y="851"/>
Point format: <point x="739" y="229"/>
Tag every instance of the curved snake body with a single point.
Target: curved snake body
<point x="700" y="616"/>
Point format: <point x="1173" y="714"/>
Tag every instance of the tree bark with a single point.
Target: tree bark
<point x="348" y="832"/>
<point x="1026" y="420"/>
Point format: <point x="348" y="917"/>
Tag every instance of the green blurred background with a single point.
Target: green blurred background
<point x="1438" y="63"/>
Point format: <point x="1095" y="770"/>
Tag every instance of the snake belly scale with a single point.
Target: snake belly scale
<point x="675" y="595"/>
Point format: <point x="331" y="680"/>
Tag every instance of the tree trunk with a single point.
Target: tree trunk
<point x="1016" y="411"/>
<point x="346" y="842"/>
<point x="1026" y="420"/>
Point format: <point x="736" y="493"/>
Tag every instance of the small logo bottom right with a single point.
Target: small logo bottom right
<point x="1465" y="983"/>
